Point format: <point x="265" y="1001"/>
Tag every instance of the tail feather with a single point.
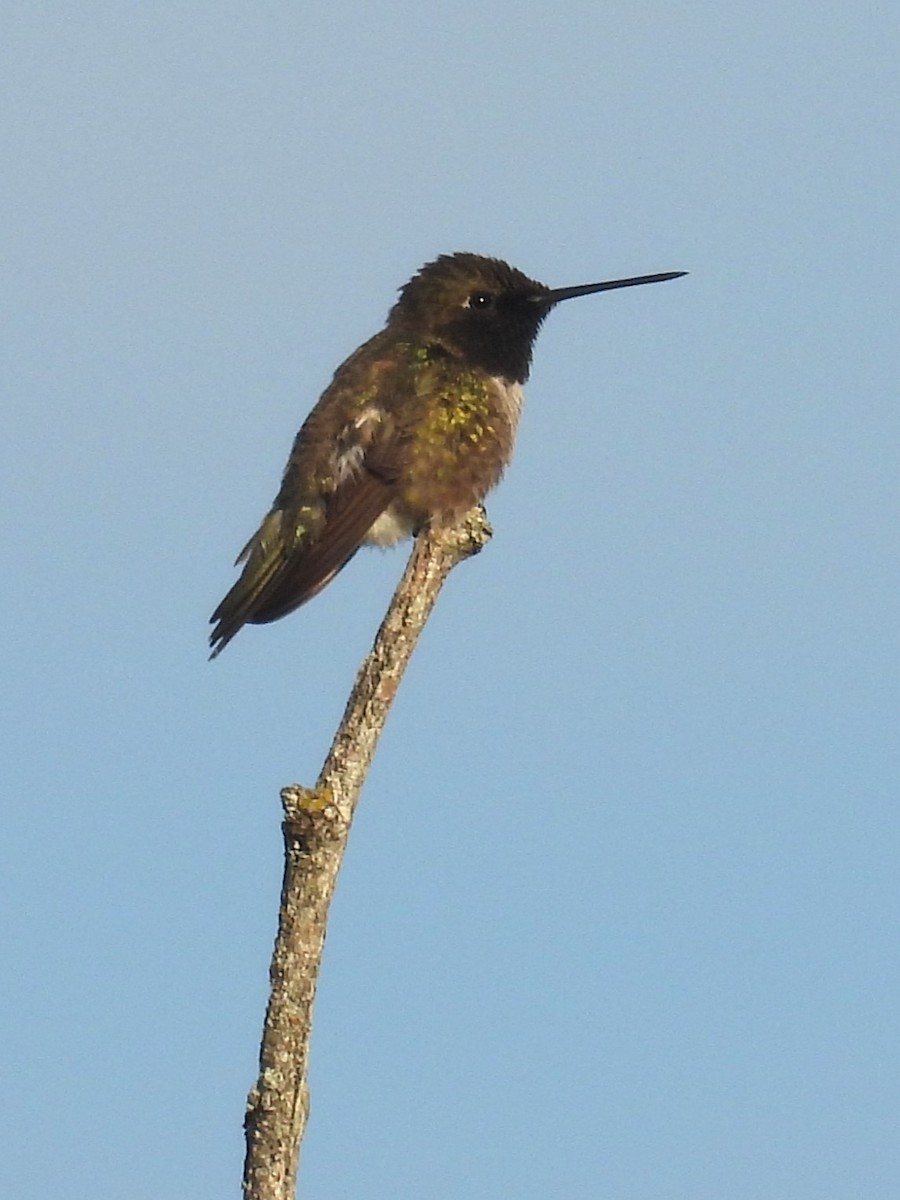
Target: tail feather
<point x="264" y="555"/>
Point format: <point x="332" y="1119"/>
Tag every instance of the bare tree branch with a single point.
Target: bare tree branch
<point x="316" y="827"/>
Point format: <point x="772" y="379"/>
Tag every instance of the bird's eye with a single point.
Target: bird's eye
<point x="480" y="300"/>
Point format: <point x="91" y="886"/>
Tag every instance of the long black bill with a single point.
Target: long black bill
<point x="586" y="289"/>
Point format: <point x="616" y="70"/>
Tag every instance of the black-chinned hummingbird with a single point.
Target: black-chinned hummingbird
<point x="415" y="427"/>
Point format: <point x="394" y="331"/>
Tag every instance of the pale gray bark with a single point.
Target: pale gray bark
<point x="316" y="827"/>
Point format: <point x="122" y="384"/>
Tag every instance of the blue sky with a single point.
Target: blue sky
<point x="620" y="912"/>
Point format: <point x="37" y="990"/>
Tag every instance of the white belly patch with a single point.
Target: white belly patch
<point x="389" y="529"/>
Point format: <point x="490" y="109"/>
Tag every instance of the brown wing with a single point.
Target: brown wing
<point x="350" y="514"/>
<point x="283" y="571"/>
<point x="337" y="482"/>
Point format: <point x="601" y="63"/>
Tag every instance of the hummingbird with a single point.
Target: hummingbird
<point x="415" y="428"/>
